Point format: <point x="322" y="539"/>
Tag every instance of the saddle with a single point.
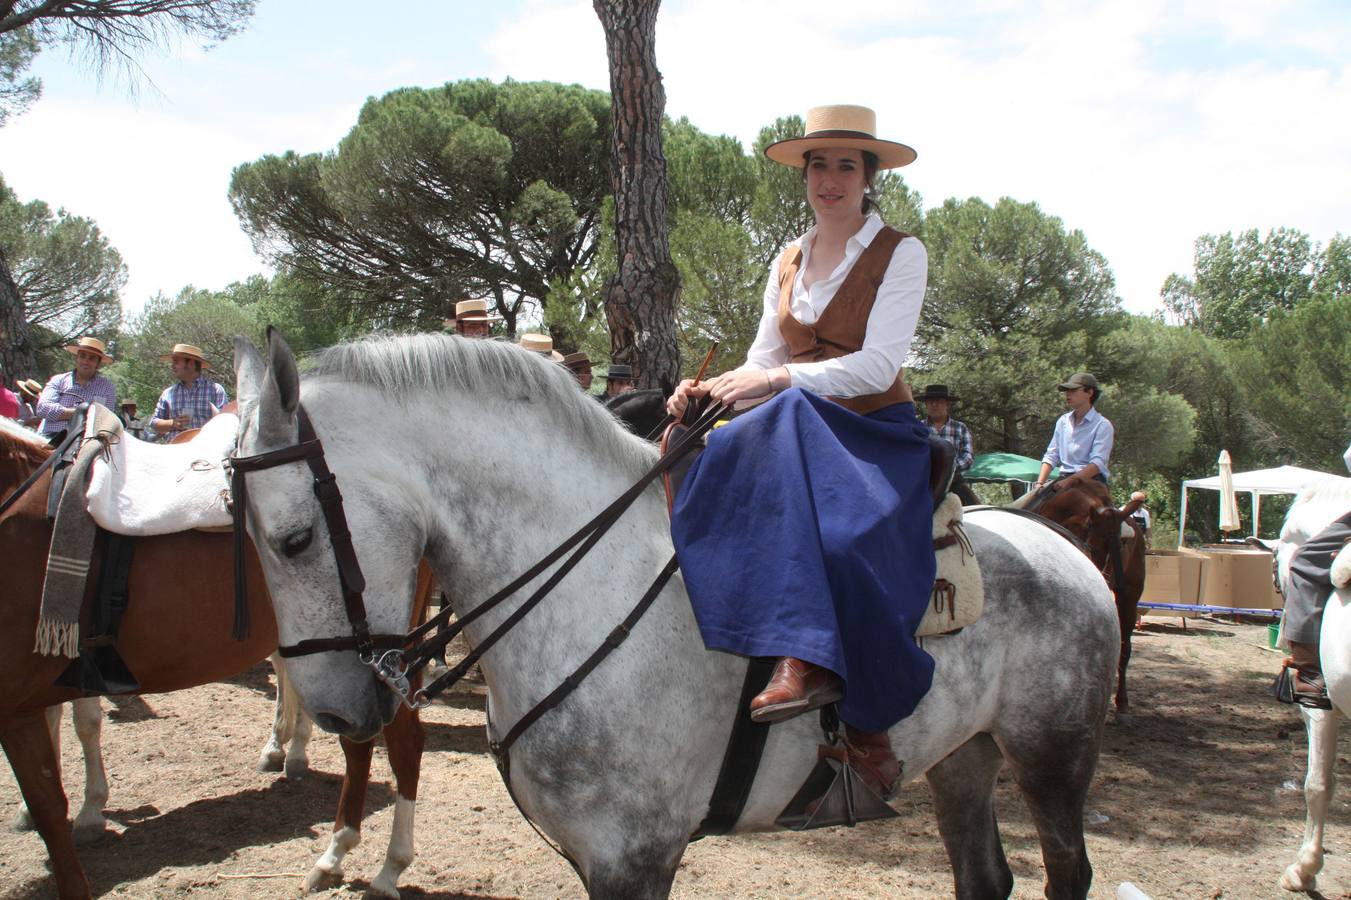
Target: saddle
<point x="142" y="489"/>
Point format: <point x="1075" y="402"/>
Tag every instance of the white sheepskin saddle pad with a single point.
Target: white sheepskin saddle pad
<point x="959" y="593"/>
<point x="140" y="488"/>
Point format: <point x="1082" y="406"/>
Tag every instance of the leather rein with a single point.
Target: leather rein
<point x="405" y="655"/>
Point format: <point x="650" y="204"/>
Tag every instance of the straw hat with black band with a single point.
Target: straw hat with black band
<point x="851" y="127"/>
<point x="29" y="388"/>
<point x="189" y="351"/>
<point x="92" y="345"/>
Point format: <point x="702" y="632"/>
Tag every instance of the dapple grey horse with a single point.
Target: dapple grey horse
<point x="487" y="456"/>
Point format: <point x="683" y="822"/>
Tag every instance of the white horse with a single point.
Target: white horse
<point x="1312" y="511"/>
<point x="286" y="750"/>
<point x="486" y="456"/>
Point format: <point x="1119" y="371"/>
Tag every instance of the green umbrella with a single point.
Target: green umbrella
<point x="999" y="468"/>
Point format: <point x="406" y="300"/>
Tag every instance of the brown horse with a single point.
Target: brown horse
<point x="1116" y="544"/>
<point x="174" y="635"/>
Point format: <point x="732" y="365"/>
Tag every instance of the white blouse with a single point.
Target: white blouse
<point x="891" y="324"/>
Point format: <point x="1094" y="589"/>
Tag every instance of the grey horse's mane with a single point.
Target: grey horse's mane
<point x="401" y="365"/>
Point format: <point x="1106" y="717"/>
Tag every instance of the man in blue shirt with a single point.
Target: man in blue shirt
<point x="191" y="400"/>
<point x="1082" y="443"/>
<point x="82" y="384"/>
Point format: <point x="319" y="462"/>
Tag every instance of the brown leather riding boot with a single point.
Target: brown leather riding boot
<point x="794" y="688"/>
<point x="1310" y="690"/>
<point x="871" y="756"/>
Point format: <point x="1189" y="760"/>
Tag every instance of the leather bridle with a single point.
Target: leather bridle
<point x="310" y="450"/>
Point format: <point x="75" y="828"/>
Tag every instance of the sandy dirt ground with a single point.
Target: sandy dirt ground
<point x="1198" y="796"/>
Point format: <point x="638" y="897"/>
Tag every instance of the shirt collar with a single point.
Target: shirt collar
<point x="1089" y="417"/>
<point x="863" y="237"/>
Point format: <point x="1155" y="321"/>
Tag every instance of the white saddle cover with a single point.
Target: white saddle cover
<point x="956" y="565"/>
<point x="143" y="489"/>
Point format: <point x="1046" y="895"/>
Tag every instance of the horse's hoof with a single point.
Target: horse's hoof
<point x="22" y="821"/>
<point x="297" y="768"/>
<point x="1295" y="881"/>
<point x="1123" y="718"/>
<point x="380" y="889"/>
<point x="321" y="879"/>
<point x="89" y="834"/>
<point x="271" y="762"/>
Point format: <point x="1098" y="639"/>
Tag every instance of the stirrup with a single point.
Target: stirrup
<point x="833" y="794"/>
<point x="1283" y="689"/>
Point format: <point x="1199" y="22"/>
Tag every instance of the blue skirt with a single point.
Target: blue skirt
<point x="805" y="530"/>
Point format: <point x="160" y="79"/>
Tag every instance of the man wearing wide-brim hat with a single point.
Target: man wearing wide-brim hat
<point x="192" y="399"/>
<point x="1082" y="442"/>
<point x="29" y="391"/>
<point x="472" y="319"/>
<point x="938" y="400"/>
<point x="618" y="380"/>
<point x="579" y="364"/>
<point x="82" y="384"/>
<point x="541" y="344"/>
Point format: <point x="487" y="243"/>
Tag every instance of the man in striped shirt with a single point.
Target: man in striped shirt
<point x="82" y="384"/>
<point x="938" y="400"/>
<point x="191" y="400"/>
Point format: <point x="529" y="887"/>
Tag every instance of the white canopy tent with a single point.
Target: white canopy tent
<point x="1258" y="483"/>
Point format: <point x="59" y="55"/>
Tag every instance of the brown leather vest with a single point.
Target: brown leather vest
<point x="841" y="328"/>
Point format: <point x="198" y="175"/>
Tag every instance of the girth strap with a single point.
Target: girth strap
<point x="741" y="760"/>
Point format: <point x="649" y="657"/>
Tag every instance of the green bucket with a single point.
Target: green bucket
<point x="1273" y="632"/>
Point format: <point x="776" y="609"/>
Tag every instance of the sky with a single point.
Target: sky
<point x="1143" y="123"/>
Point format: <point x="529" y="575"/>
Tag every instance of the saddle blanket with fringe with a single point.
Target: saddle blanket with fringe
<point x="139" y="489"/>
<point x="959" y="593"/>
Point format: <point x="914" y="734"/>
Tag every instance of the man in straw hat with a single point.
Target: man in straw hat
<point x="938" y="400"/>
<point x="579" y="364"/>
<point x="541" y="344"/>
<point x="29" y="392"/>
<point x="82" y="384"/>
<point x="472" y="319"/>
<point x="191" y="400"/>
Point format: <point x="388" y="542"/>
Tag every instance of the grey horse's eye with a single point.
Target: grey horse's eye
<point x="295" y="543"/>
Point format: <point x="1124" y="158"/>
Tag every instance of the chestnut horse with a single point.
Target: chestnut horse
<point x="1115" y="543"/>
<point x="173" y="636"/>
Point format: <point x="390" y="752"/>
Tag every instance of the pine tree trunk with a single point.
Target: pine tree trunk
<point x="640" y="299"/>
<point x="16" y="347"/>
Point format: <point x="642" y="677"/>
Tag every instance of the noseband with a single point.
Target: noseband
<point x="310" y="450"/>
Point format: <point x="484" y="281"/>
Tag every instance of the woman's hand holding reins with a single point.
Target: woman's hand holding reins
<point x="729" y="387"/>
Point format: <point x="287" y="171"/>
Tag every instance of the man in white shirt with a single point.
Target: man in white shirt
<point x="1083" y="438"/>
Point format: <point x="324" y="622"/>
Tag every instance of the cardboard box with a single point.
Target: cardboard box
<point x="1238" y="577"/>
<point x="1172" y="576"/>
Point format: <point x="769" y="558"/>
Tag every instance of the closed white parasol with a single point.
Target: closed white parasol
<point x="1228" y="501"/>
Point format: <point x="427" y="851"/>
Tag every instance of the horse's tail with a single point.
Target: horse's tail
<point x="288" y="703"/>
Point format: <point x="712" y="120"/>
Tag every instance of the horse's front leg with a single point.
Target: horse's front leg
<point x="87" y="716"/>
<point x="28" y="745"/>
<point x="404" y="739"/>
<point x="327" y="871"/>
<point x="1319" y="781"/>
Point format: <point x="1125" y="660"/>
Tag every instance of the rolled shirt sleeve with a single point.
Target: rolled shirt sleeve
<point x="1101" y="450"/>
<point x="163" y="406"/>
<point x="1052" y="454"/>
<point x="966" y="452"/>
<point x="49" y="401"/>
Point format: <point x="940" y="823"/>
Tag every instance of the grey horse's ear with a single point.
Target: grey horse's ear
<point x="249" y="371"/>
<point x="282" y="368"/>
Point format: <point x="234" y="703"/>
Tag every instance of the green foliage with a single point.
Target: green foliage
<point x="65" y="270"/>
<point x="471" y="189"/>
<point x="1015" y="303"/>
<point x="1242" y="279"/>
<point x="17" y="49"/>
<point x="208" y="319"/>
<point x="1295" y="377"/>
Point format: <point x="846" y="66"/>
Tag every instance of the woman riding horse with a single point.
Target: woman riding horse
<point x="803" y="530"/>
